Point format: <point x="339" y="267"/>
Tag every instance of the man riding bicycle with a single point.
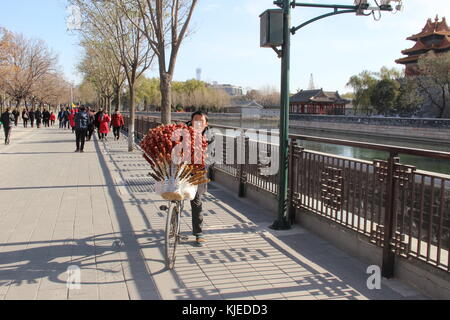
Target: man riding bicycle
<point x="199" y="119"/>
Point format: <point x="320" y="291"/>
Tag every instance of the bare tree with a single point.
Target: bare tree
<point x="165" y="23"/>
<point x="28" y="61"/>
<point x="95" y="71"/>
<point x="104" y="22"/>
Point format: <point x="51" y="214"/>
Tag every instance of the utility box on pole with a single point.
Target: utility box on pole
<point x="271" y="28"/>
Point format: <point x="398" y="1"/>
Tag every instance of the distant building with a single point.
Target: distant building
<point x="228" y="88"/>
<point x="318" y="102"/>
<point x="435" y="36"/>
<point x="251" y="111"/>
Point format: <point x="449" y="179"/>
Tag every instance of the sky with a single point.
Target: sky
<point x="224" y="41"/>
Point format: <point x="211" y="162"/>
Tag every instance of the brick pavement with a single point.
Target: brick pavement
<point x="97" y="211"/>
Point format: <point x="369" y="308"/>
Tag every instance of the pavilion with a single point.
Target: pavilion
<point x="435" y="36"/>
<point x="318" y="102"/>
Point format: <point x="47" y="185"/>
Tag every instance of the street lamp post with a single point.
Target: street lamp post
<point x="282" y="223"/>
<point x="270" y="37"/>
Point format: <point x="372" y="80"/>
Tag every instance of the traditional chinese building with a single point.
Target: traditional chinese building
<point x="435" y="36"/>
<point x="318" y="102"/>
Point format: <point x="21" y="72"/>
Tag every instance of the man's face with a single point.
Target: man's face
<point x="199" y="122"/>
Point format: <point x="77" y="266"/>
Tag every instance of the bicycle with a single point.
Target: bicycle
<point x="173" y="231"/>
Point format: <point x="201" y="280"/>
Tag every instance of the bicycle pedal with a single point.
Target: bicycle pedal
<point x="184" y="238"/>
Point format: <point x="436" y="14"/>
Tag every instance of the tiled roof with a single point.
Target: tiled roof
<point x="430" y="28"/>
<point x="317" y="96"/>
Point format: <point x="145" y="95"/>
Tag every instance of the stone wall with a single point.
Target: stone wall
<point x="410" y="128"/>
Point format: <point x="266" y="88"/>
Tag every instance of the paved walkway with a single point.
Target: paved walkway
<point x="97" y="211"/>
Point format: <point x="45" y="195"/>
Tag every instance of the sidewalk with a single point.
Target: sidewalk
<point x="97" y="211"/>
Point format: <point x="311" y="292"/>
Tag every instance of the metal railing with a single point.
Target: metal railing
<point x="404" y="210"/>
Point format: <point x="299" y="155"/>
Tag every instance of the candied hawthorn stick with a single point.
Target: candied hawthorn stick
<point x="201" y="182"/>
<point x="155" y="177"/>
<point x="187" y="173"/>
<point x="164" y="164"/>
<point x="184" y="168"/>
<point x="160" y="171"/>
<point x="197" y="176"/>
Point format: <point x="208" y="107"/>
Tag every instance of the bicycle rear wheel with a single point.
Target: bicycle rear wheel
<point x="172" y="234"/>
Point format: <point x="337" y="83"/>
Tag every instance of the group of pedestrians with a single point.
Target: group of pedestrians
<point x="84" y="121"/>
<point x="32" y="116"/>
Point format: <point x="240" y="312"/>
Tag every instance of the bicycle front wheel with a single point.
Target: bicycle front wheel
<point x="172" y="234"/>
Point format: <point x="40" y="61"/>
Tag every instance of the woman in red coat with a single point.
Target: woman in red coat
<point x="104" y="121"/>
<point x="52" y="118"/>
<point x="117" y="123"/>
<point x="72" y="121"/>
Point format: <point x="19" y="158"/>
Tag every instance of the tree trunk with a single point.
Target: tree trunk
<point x="109" y="101"/>
<point x="444" y="104"/>
<point x="166" y="99"/>
<point x="118" y="98"/>
<point x="131" y="132"/>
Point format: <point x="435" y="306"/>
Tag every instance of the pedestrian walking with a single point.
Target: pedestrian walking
<point x="61" y="118"/>
<point x="25" y="117"/>
<point x="32" y="116"/>
<point x="52" y="119"/>
<point x="66" y="119"/>
<point x="72" y="120"/>
<point x="91" y="127"/>
<point x="38" y="117"/>
<point x="81" y="120"/>
<point x="117" y="123"/>
<point x="104" y="121"/>
<point x="97" y="122"/>
<point x="7" y="119"/>
<point x="46" y="118"/>
<point x="16" y="114"/>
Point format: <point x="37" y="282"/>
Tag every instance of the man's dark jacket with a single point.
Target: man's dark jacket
<point x="7" y="119"/>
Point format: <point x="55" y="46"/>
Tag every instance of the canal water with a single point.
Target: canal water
<point x="422" y="163"/>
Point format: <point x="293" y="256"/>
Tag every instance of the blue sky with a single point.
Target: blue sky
<point x="225" y="41"/>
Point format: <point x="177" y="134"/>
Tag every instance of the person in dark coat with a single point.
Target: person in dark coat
<point x="81" y="127"/>
<point x="91" y="127"/>
<point x="16" y="114"/>
<point x="38" y="117"/>
<point x="7" y="119"/>
<point x="31" y="114"/>
<point x="46" y="118"/>
<point x="66" y="119"/>
<point x="61" y="118"/>
<point x="25" y="117"/>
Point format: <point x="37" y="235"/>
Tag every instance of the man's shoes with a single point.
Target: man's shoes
<point x="82" y="151"/>
<point x="200" y="241"/>
<point x="78" y="150"/>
